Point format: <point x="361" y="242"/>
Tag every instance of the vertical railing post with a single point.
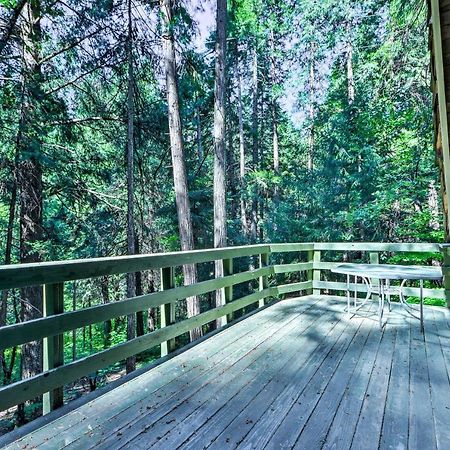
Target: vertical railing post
<point x="445" y="249"/>
<point x="309" y="273"/>
<point x="168" y="309"/>
<point x="374" y="258"/>
<point x="227" y="291"/>
<point x="264" y="280"/>
<point x="316" y="271"/>
<point x="53" y="355"/>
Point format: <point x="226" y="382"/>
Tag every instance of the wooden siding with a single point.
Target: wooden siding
<point x="440" y="82"/>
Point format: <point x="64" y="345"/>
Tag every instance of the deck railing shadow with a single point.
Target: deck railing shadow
<point x="307" y="271"/>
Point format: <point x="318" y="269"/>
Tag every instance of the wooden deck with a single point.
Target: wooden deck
<point x="297" y="374"/>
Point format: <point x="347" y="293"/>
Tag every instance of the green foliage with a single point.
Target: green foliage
<point x="8" y="3"/>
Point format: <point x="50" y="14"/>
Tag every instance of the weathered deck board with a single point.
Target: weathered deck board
<point x="248" y="361"/>
<point x="296" y="418"/>
<point x="421" y="423"/>
<point x="316" y="428"/>
<point x="368" y="428"/>
<point x="297" y="381"/>
<point x="166" y="379"/>
<point x="439" y="383"/>
<point x="342" y="428"/>
<point x="240" y="384"/>
<point x="297" y="374"/>
<point x="394" y="433"/>
<point x="248" y="403"/>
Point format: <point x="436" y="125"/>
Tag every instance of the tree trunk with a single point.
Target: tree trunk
<point x="178" y="162"/>
<point x="7" y="368"/>
<point x="351" y="90"/>
<point x="140" y="330"/>
<point x="350" y="77"/>
<point x="199" y="134"/>
<point x="74" y="332"/>
<point x="151" y="313"/>
<point x="312" y="99"/>
<point x="29" y="179"/>
<point x="276" y="151"/>
<point x="254" y="216"/>
<point x="220" y="216"/>
<point x="273" y="104"/>
<point x="131" y="277"/>
<point x="242" y="169"/>
<point x="231" y="167"/>
<point x="107" y="325"/>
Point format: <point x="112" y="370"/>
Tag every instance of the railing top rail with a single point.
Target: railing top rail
<point x="379" y="246"/>
<point x="21" y="275"/>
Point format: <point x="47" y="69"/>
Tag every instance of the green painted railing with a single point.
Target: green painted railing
<point x="53" y="275"/>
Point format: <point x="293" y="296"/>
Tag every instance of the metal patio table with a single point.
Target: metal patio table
<point x="384" y="273"/>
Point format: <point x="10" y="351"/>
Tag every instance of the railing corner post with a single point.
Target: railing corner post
<point x="264" y="280"/>
<point x="227" y="265"/>
<point x="309" y="273"/>
<point x="316" y="271"/>
<point x="445" y="249"/>
<point x="53" y="354"/>
<point x="167" y="310"/>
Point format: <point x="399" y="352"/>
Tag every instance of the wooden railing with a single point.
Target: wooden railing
<point x="53" y="275"/>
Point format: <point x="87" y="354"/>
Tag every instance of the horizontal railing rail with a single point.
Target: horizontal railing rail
<point x="56" y="321"/>
<point x="378" y="247"/>
<point x="36" y="329"/>
<point x="22" y="275"/>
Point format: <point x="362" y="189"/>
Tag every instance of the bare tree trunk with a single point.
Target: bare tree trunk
<point x="276" y="153"/>
<point x="74" y="332"/>
<point x="220" y="215"/>
<point x="350" y="77"/>
<point x="199" y="134"/>
<point x="351" y="88"/>
<point x="151" y="313"/>
<point x="107" y="325"/>
<point x="312" y="99"/>
<point x="131" y="277"/>
<point x="29" y="179"/>
<point x="140" y="331"/>
<point x="231" y="168"/>
<point x="242" y="168"/>
<point x="7" y="368"/>
<point x="178" y="162"/>
<point x="254" y="216"/>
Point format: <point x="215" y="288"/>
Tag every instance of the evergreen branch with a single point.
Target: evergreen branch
<point x="77" y="121"/>
<point x="69" y="46"/>
<point x="7" y="30"/>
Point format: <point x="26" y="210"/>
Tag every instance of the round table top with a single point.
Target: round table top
<point x="390" y="271"/>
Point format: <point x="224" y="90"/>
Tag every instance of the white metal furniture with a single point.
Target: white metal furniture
<point x="384" y="273"/>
